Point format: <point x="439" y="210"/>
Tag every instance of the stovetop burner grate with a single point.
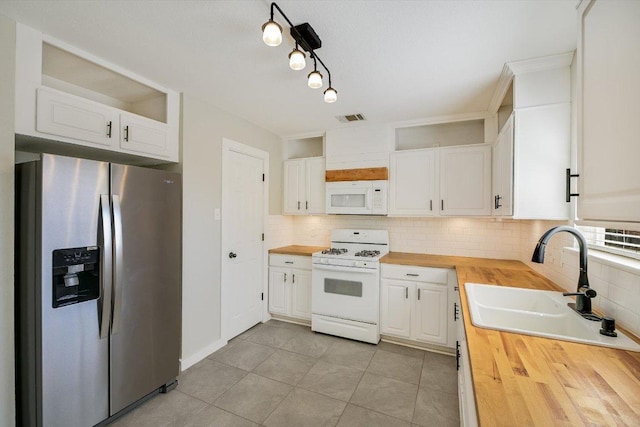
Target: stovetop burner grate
<point x="334" y="251"/>
<point x="369" y="254"/>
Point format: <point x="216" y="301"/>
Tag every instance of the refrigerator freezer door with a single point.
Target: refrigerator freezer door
<point x="74" y="375"/>
<point x="145" y="347"/>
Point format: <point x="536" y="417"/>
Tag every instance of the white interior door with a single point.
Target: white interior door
<point x="243" y="259"/>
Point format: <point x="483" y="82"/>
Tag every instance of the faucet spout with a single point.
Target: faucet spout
<point x="538" y="253"/>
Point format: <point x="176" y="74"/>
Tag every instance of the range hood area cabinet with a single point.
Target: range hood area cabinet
<point x="358" y="146"/>
<point x="532" y="151"/>
<point x="72" y="102"/>
<point x="445" y="181"/>
<point x="609" y="112"/>
<point x="304" y="186"/>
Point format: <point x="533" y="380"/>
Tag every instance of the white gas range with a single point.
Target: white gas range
<point x="345" y="284"/>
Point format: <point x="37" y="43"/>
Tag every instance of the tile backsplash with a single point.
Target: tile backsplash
<point x="618" y="286"/>
<point x="486" y="238"/>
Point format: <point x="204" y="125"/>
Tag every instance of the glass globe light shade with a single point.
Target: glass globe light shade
<point x="296" y="60"/>
<point x="272" y="33"/>
<point x="330" y="95"/>
<point x="315" y="80"/>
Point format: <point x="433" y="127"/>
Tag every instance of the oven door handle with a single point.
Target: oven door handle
<point x="345" y="269"/>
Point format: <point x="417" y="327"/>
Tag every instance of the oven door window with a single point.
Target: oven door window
<point x="343" y="287"/>
<point x="348" y="200"/>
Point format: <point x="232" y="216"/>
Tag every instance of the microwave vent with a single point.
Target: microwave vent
<point x="351" y="118"/>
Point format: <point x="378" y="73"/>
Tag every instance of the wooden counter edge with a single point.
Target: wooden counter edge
<point x="296" y="250"/>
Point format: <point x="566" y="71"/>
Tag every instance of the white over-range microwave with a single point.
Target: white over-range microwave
<point x="357" y="197"/>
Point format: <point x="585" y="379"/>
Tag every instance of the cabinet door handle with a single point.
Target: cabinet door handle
<point x="293" y="278"/>
<point x="430" y="205"/>
<point x="285" y="277"/>
<point x="457" y="355"/>
<point x="306" y="205"/>
<point x="418" y="294"/>
<point x="568" y="193"/>
<point x="288" y="262"/>
<point x="412" y="275"/>
<point x="497" y="201"/>
<point x="109" y="128"/>
<point x="442" y="204"/>
<point x="455" y="311"/>
<point x="126" y="133"/>
<point x="406" y="293"/>
<point x="298" y="204"/>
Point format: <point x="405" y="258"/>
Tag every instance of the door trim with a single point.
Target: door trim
<point x="229" y="146"/>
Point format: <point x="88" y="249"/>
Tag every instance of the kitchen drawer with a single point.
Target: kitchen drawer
<point x="290" y="261"/>
<point x="416" y="274"/>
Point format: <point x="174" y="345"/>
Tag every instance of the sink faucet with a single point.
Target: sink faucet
<point x="584" y="293"/>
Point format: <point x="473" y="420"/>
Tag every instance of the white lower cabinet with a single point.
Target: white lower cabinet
<point x="290" y="286"/>
<point x="466" y="396"/>
<point x="415" y="305"/>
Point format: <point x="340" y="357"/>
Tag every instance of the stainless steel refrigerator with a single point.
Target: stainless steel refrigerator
<point x="98" y="288"/>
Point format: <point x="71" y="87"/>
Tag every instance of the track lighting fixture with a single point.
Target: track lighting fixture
<point x="272" y="33"/>
<point x="296" y="59"/>
<point x="314" y="79"/>
<point x="306" y="38"/>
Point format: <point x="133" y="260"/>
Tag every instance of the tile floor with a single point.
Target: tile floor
<point x="282" y="374"/>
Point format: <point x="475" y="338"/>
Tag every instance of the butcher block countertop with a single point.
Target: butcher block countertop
<point x="297" y="250"/>
<point x="521" y="380"/>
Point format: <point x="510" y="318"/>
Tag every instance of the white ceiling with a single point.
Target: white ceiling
<point x="392" y="61"/>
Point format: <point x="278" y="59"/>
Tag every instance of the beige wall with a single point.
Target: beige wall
<point x="7" y="138"/>
<point x="204" y="127"/>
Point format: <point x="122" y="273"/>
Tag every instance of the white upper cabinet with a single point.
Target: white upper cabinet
<point x="609" y="111"/>
<point x="465" y="180"/>
<point x="502" y="175"/>
<point x="72" y="101"/>
<point x="304" y="186"/>
<point x="81" y="119"/>
<point x="358" y="146"/>
<point x="532" y="151"/>
<point x="315" y="186"/>
<point x="412" y="183"/>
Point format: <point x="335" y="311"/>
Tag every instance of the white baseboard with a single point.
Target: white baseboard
<point x="187" y="362"/>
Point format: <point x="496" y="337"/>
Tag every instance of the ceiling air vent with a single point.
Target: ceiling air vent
<point x="350" y="118"/>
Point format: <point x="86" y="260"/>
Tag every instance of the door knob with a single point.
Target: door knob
<point x="232" y="255"/>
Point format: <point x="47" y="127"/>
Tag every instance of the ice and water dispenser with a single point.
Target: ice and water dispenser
<point x="76" y="275"/>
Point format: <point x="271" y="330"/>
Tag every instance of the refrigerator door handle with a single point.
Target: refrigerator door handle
<point x="107" y="266"/>
<point x="118" y="264"/>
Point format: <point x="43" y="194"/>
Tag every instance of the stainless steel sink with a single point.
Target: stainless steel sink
<point x="538" y="313"/>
